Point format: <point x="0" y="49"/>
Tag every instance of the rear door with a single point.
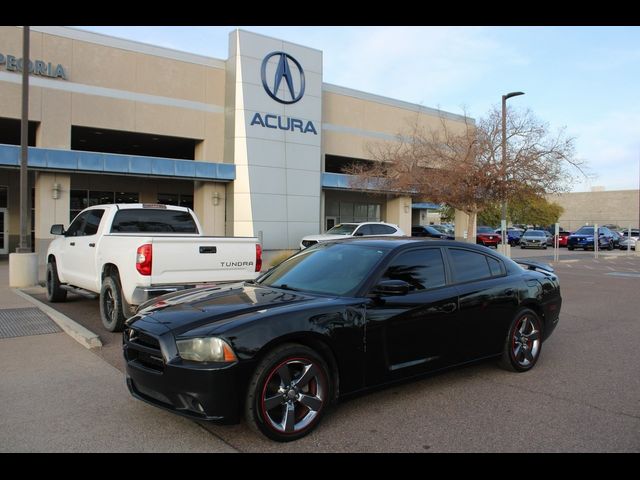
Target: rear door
<point x="488" y="298"/>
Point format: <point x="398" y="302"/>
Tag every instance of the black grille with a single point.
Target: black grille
<point x="143" y="349"/>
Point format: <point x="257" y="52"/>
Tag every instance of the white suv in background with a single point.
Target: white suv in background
<point x="364" y="229"/>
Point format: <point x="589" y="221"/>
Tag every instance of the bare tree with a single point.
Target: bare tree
<point x="460" y="163"/>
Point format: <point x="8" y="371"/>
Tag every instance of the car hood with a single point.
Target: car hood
<point x="181" y="312"/>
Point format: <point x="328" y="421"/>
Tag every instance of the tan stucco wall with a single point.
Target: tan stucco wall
<point x="91" y="65"/>
<point x="618" y="207"/>
<point x="367" y="122"/>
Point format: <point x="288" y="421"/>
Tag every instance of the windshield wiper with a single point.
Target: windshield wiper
<point x="284" y="286"/>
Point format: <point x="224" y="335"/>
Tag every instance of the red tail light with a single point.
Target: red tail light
<point x="144" y="257"/>
<point x="258" y="257"/>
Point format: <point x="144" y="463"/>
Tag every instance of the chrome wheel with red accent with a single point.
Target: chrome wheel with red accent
<point x="289" y="393"/>
<point x="523" y="343"/>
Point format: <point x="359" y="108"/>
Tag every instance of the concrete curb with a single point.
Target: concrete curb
<point x="80" y="334"/>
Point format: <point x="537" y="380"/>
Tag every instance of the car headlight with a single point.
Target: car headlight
<point x="207" y="349"/>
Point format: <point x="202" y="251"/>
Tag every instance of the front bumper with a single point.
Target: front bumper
<point x="586" y="244"/>
<point x="144" y="294"/>
<point x="196" y="390"/>
<point x="533" y="244"/>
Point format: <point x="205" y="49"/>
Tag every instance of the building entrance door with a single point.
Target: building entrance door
<point x="4" y="232"/>
<point x="330" y="222"/>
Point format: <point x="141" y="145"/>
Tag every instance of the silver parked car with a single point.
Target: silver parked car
<point x="343" y="230"/>
<point x="627" y="241"/>
<point x="534" y="239"/>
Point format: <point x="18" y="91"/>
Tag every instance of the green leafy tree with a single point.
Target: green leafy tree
<point x="527" y="210"/>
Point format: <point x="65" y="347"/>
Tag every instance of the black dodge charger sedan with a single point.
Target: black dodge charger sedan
<point x="334" y="320"/>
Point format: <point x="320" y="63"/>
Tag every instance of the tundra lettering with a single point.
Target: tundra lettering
<point x="236" y="264"/>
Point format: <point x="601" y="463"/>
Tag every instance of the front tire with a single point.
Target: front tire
<point x="288" y="393"/>
<point x="54" y="292"/>
<point x="111" y="305"/>
<point x="523" y="343"/>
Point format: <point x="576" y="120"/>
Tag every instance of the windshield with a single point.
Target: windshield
<point x="534" y="233"/>
<point x="584" y="231"/>
<point x="485" y="230"/>
<point x="342" y="229"/>
<point x="326" y="268"/>
<point x="441" y="229"/>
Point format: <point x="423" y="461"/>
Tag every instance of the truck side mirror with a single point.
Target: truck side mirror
<point x="57" y="229"/>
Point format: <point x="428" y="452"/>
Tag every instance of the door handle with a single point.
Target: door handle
<point x="92" y="244"/>
<point x="449" y="308"/>
<point x="73" y="244"/>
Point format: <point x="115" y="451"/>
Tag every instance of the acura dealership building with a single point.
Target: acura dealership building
<point x="256" y="143"/>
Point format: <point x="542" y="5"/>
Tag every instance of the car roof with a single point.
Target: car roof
<point x="398" y="242"/>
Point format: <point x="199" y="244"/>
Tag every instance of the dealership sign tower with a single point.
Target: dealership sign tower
<point x="273" y="136"/>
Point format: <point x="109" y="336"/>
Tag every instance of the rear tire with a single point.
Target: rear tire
<point x="54" y="292"/>
<point x="111" y="305"/>
<point x="523" y="343"/>
<point x="289" y="393"/>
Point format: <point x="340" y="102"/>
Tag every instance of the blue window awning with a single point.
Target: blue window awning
<point x="114" y="164"/>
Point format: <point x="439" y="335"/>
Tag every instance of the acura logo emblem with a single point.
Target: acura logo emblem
<point x="284" y="93"/>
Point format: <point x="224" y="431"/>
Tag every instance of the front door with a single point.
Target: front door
<point x="4" y="231"/>
<point x="411" y="334"/>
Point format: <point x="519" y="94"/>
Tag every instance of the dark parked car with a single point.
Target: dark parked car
<point x="336" y="319"/>
<point x="431" y="232"/>
<point x="488" y="237"/>
<point x="583" y="238"/>
<point x="513" y="235"/>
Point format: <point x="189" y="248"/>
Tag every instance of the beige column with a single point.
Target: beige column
<point x="209" y="205"/>
<point x="462" y="226"/>
<point x="398" y="211"/>
<point x="51" y="204"/>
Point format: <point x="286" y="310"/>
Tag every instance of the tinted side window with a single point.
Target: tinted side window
<point x="468" y="266"/>
<point x="382" y="230"/>
<point x="495" y="266"/>
<point x="93" y="222"/>
<point x="363" y="230"/>
<point x="133" y="220"/>
<point x="75" y="228"/>
<point x="422" y="269"/>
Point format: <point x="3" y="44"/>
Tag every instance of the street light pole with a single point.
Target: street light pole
<point x="24" y="246"/>
<point x="503" y="223"/>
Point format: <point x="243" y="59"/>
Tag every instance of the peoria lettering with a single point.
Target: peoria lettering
<point x="283" y="123"/>
<point x="37" y="67"/>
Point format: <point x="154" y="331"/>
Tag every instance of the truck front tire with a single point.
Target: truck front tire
<point x="54" y="292"/>
<point x="111" y="305"/>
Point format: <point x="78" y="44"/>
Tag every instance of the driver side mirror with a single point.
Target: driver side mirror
<point x="57" y="229"/>
<point x="392" y="287"/>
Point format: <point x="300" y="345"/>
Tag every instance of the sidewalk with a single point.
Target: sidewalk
<point x="58" y="396"/>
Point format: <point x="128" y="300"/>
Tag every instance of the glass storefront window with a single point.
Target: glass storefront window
<point x="81" y="199"/>
<point x="100" y="198"/>
<point x="179" y="199"/>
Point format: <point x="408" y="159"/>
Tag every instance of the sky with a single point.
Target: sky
<point x="584" y="79"/>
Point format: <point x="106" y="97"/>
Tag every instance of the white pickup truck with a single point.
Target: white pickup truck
<point x="129" y="253"/>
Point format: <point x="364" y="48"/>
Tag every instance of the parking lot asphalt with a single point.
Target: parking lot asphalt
<point x="582" y="396"/>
